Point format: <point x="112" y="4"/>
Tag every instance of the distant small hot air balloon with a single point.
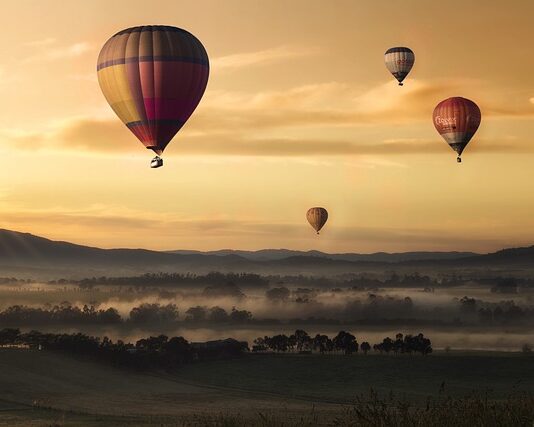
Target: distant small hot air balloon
<point x="317" y="218"/>
<point x="457" y="119"/>
<point x="399" y="62"/>
<point x="153" y="77"/>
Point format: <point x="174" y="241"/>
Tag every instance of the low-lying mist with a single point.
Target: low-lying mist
<point x="468" y="315"/>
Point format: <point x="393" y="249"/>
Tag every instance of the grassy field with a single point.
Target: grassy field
<point x="338" y="378"/>
<point x="42" y="388"/>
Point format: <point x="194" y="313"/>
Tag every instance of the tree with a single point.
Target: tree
<point x="240" y="316"/>
<point x="388" y="344"/>
<point x="196" y="314"/>
<point x="302" y="340"/>
<point x="154" y="313"/>
<point x="259" y="344"/>
<point x="228" y="289"/>
<point x="218" y="314"/>
<point x="398" y="345"/>
<point x="278" y="343"/>
<point x="507" y="285"/>
<point x="417" y="344"/>
<point x="468" y="305"/>
<point x="179" y="349"/>
<point x="365" y="347"/>
<point x="152" y="343"/>
<point x="111" y="315"/>
<point x="278" y="294"/>
<point x="9" y="336"/>
<point x="345" y="342"/>
<point x="322" y="343"/>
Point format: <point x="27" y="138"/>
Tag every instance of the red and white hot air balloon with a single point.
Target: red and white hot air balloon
<point x="399" y="61"/>
<point x="457" y="119"/>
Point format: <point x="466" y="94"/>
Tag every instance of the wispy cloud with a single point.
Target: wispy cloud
<point x="41" y="42"/>
<point x="59" y="52"/>
<point x="87" y="77"/>
<point x="262" y="57"/>
<point x="325" y="104"/>
<point x="240" y="124"/>
<point x="110" y="136"/>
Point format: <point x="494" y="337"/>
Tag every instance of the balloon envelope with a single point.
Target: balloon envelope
<point x="153" y="77"/>
<point x="317" y="218"/>
<point x="399" y="62"/>
<point x="457" y="119"/>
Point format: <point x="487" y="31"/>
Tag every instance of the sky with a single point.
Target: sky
<point x="299" y="111"/>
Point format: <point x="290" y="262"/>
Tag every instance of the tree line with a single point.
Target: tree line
<point x="344" y="342"/>
<point x="159" y="352"/>
<point x="358" y="282"/>
<point x="146" y="313"/>
<point x="169" y="279"/>
<point x="162" y="352"/>
<point x="503" y="312"/>
<point x="374" y="311"/>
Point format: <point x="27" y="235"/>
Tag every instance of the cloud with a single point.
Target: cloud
<point x="341" y="104"/>
<point x="41" y="42"/>
<point x="333" y="104"/>
<point x="300" y="122"/>
<point x="262" y="57"/>
<point x="87" y="77"/>
<point x="110" y="136"/>
<point x="75" y="134"/>
<point x="54" y="53"/>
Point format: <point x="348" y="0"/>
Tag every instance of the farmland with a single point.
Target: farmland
<point x="45" y="388"/>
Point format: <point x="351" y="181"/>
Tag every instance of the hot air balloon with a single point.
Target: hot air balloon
<point x="457" y="119"/>
<point x="399" y="62"/>
<point x="153" y="77"/>
<point x="317" y="218"/>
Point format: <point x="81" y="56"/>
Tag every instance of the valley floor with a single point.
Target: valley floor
<point x="44" y="388"/>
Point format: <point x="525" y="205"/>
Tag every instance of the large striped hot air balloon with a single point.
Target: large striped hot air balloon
<point x="457" y="119"/>
<point x="153" y="77"/>
<point x="317" y="218"/>
<point x="399" y="62"/>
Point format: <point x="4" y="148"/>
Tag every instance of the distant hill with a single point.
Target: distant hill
<point x="23" y="251"/>
<point x="277" y="254"/>
<point x="511" y="256"/>
<point x="25" y="255"/>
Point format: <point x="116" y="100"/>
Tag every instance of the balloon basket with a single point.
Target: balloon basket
<point x="156" y="162"/>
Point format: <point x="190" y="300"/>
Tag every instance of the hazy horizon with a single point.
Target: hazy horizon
<point x="222" y="249"/>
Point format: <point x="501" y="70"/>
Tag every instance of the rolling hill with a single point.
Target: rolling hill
<point x="27" y="255"/>
<point x="277" y="254"/>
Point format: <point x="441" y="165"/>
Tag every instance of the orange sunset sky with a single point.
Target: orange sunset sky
<point x="299" y="111"/>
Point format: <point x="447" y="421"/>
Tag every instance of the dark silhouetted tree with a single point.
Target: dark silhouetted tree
<point x="278" y="294"/>
<point x="196" y="314"/>
<point x="345" y="342"/>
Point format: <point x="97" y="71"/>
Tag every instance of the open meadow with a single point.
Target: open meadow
<point x="45" y="388"/>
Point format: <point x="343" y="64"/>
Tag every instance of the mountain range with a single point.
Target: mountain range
<point x="277" y="254"/>
<point x="27" y="255"/>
